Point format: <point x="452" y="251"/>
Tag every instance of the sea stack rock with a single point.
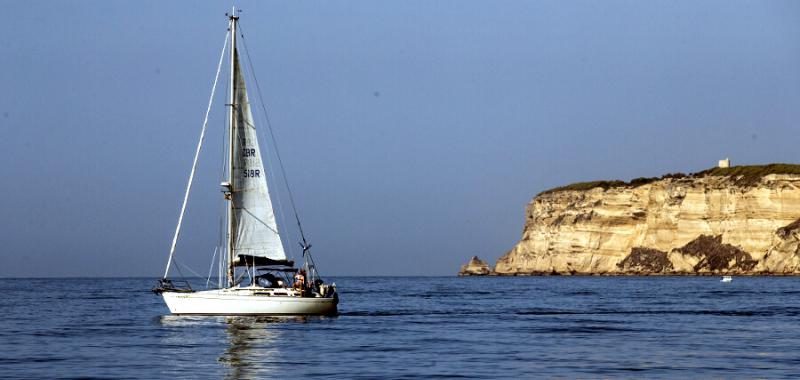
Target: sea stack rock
<point x="475" y="267"/>
<point x="732" y="220"/>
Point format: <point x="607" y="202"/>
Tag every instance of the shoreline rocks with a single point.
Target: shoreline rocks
<point x="475" y="267"/>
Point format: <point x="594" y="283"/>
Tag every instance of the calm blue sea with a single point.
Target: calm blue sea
<point x="415" y="327"/>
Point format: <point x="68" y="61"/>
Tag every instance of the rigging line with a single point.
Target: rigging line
<point x="313" y="264"/>
<point x="223" y="170"/>
<point x="177" y="264"/>
<point x="259" y="220"/>
<point x="179" y="271"/>
<point x="274" y="140"/>
<point x="194" y="162"/>
<point x="210" y="268"/>
<point x="239" y="279"/>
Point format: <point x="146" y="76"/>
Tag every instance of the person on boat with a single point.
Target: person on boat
<point x="300" y="279"/>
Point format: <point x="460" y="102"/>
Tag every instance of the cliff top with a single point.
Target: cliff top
<point x="743" y="175"/>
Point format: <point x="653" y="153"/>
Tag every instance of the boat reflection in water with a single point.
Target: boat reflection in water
<point x="252" y="347"/>
<point x="257" y="346"/>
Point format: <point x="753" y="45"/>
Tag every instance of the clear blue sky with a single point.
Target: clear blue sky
<point x="414" y="132"/>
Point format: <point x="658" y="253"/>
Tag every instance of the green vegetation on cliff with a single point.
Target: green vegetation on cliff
<point x="748" y="175"/>
<point x="744" y="175"/>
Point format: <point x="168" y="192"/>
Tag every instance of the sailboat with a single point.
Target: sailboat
<point x="259" y="279"/>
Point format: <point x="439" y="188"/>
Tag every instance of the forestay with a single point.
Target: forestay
<point x="255" y="232"/>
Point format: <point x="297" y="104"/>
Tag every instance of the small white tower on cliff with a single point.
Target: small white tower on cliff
<point x="726" y="163"/>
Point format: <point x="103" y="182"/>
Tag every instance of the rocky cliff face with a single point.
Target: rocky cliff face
<point x="707" y="223"/>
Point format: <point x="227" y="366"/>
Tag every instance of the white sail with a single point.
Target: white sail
<point x="255" y="232"/>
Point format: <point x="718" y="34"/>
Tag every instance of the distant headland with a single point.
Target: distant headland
<point x="736" y="220"/>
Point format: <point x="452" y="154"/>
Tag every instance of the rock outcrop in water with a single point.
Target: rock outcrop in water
<point x="738" y="220"/>
<point x="475" y="267"/>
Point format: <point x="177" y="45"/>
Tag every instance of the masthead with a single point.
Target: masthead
<point x="232" y="15"/>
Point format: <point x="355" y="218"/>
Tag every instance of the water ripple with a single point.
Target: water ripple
<point x="411" y="328"/>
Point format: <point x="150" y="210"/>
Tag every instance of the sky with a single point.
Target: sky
<point x="413" y="133"/>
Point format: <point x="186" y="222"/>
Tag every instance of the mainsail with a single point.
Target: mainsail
<point x="255" y="236"/>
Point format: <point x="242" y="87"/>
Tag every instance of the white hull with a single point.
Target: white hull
<point x="246" y="301"/>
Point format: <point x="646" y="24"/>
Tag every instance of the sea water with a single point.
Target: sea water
<point x="415" y="327"/>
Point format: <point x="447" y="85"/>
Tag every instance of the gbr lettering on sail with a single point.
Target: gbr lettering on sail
<point x="251" y="160"/>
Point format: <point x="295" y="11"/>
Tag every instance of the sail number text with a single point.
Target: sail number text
<point x="250" y="152"/>
<point x="251" y="173"/>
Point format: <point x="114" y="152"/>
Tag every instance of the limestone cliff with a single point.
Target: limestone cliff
<point x="475" y="267"/>
<point x="739" y="220"/>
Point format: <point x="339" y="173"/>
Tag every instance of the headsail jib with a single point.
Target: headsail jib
<point x="254" y="231"/>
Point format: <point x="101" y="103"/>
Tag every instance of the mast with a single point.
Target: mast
<point x="232" y="185"/>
